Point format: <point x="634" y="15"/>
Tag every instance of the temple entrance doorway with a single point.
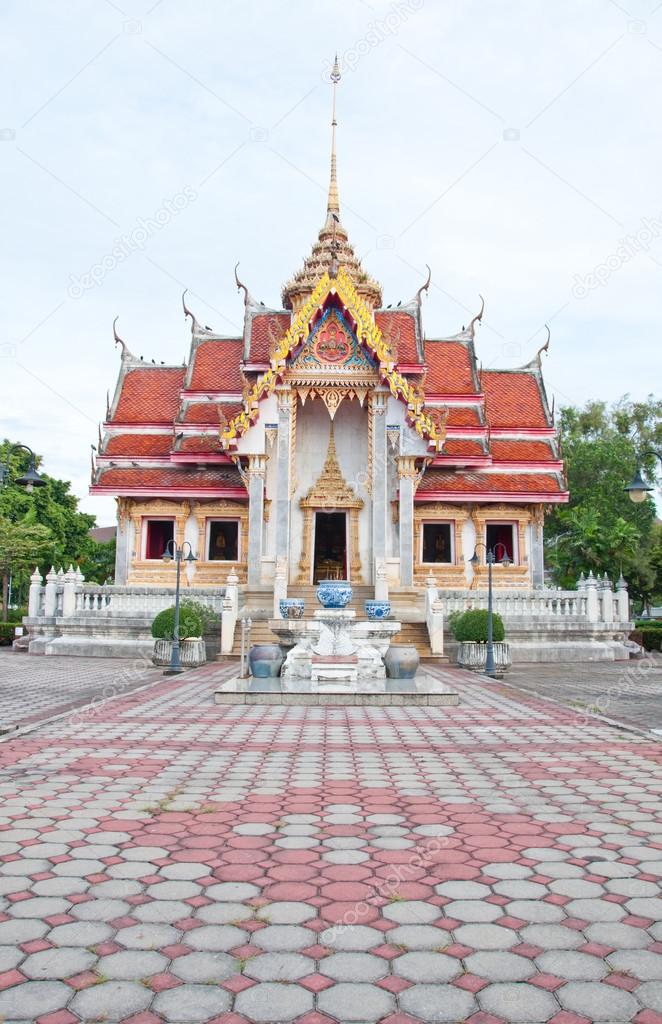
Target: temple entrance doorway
<point x="330" y="556"/>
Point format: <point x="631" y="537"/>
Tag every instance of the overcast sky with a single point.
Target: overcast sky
<point x="513" y="146"/>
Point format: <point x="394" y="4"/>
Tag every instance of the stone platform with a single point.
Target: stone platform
<point x="425" y="690"/>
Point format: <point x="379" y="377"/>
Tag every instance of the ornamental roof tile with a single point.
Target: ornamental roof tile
<point x="460" y="447"/>
<point x="450" y="368"/>
<point x="460" y="416"/>
<point x="513" y="398"/>
<point x="199" y="443"/>
<point x="265" y="329"/>
<point x="521" y="451"/>
<point x="175" y="478"/>
<point x="399" y="328"/>
<point x="217" y="365"/>
<point x="449" y="482"/>
<point x="149" y="394"/>
<point x="139" y="444"/>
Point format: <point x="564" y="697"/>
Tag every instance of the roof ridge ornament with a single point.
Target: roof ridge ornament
<point x="425" y="287"/>
<point x="195" y="326"/>
<point x="478" y="317"/>
<point x="248" y="298"/>
<point x="126" y="353"/>
<point x="333" y="200"/>
<point x="536" y="362"/>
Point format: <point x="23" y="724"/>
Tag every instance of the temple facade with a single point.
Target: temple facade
<point x="332" y="439"/>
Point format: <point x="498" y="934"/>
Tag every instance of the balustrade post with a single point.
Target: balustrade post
<point x="34" y="598"/>
<point x="50" y="593"/>
<point x="69" y="592"/>
<point x="592" y="601"/>
<point x="606" y="600"/>
<point x="623" y="599"/>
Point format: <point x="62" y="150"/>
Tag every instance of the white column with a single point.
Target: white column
<point x="592" y="602"/>
<point x="34" y="599"/>
<point x="69" y="593"/>
<point x="623" y="600"/>
<point x="50" y="593"/>
<point x="379" y="476"/>
<point x="408" y="475"/>
<point x="256" y="472"/>
<point x="283" y="481"/>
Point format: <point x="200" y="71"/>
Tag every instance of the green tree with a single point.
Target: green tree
<point x="21" y="545"/>
<point x="601" y="530"/>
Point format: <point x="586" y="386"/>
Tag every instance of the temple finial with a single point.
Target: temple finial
<point x="333" y="204"/>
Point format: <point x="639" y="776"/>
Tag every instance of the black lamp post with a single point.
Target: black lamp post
<point x="30" y="479"/>
<point x="177" y="552"/>
<point x="491" y="556"/>
<point x="638" y="489"/>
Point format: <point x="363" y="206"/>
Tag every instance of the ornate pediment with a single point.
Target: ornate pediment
<point x="331" y="353"/>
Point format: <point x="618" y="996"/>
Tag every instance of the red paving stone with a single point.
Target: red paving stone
<point x="322" y="821"/>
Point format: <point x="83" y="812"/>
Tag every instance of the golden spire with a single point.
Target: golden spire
<point x="333" y="204"/>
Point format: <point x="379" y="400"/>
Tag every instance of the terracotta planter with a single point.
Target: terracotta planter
<point x="473" y="656"/>
<point x="265" y="661"/>
<point x="401" y="661"/>
<point x="192" y="653"/>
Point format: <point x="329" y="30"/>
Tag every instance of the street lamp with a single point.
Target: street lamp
<point x="30" y="478"/>
<point x="491" y="556"/>
<point x="175" y="551"/>
<point x="638" y="489"/>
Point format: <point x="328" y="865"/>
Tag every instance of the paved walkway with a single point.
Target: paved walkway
<point x="629" y="692"/>
<point x="169" y="860"/>
<point x="35" y="688"/>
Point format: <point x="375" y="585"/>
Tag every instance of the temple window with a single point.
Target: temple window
<point x="500" y="538"/>
<point x="437" y="543"/>
<point x="158" y="533"/>
<point x="223" y="540"/>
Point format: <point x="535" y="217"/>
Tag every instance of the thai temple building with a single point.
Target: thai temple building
<point x="337" y="437"/>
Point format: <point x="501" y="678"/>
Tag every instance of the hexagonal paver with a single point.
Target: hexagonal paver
<point x="497" y="965"/>
<point x="552" y="936"/>
<point x="130" y="965"/>
<point x="147" y="936"/>
<point x="642" y="964"/>
<point x="618" y="935"/>
<point x="192" y="1003"/>
<point x="572" y="965"/>
<point x="204" y="967"/>
<point x="273" y="1002"/>
<point x="597" y="1002"/>
<point x="425" y="967"/>
<point x="517" y="1002"/>
<point x="287" y="912"/>
<point x="57" y="964"/>
<point x="33" y="999"/>
<point x="111" y="1001"/>
<point x="473" y="911"/>
<point x="434" y="1003"/>
<point x="463" y="890"/>
<point x="218" y="937"/>
<point x="486" y="936"/>
<point x="276" y="966"/>
<point x="411" y="912"/>
<point x="354" y="1002"/>
<point x="358" y="937"/>
<point x="359" y="967"/>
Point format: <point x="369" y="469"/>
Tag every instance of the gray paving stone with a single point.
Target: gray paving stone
<point x="57" y="964"/>
<point x="572" y="965"/>
<point x="117" y="888"/>
<point x="232" y="892"/>
<point x="614" y="869"/>
<point x="354" y="1002"/>
<point x="60" y="886"/>
<point x="643" y="964"/>
<point x="33" y="999"/>
<point x="13" y="932"/>
<point x="486" y="936"/>
<point x="535" y="911"/>
<point x="173" y="890"/>
<point x="412" y="912"/>
<point x="418" y="936"/>
<point x="131" y="965"/>
<point x="204" y="967"/>
<point x="500" y="966"/>
<point x="433" y="1003"/>
<point x="518" y="889"/>
<point x="192" y="1003"/>
<point x="10" y="957"/>
<point x="473" y="911"/>
<point x="224" y="913"/>
<point x="518" y="1002"/>
<point x="76" y="868"/>
<point x="618" y="935"/>
<point x="425" y="967"/>
<point x="185" y="871"/>
<point x="508" y="870"/>
<point x="282" y="938"/>
<point x="358" y="937"/>
<point x="161" y="911"/>
<point x="100" y="910"/>
<point x="552" y="936"/>
<point x="577" y="888"/>
<point x="280" y="966"/>
<point x="270" y="1001"/>
<point x="597" y="1002"/>
<point x="216" y="937"/>
<point x="111" y="1001"/>
<point x="650" y="995"/>
<point x="632" y="887"/>
<point x="357" y="967"/>
<point x="148" y="936"/>
<point x="463" y="890"/>
<point x="287" y="912"/>
<point x="26" y="866"/>
<point x="645" y="907"/>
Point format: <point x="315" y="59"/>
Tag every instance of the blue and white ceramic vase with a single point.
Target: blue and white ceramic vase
<point x="378" y="609"/>
<point x="265" y="661"/>
<point x="291" y="607"/>
<point x="401" y="661"/>
<point x="334" y="593"/>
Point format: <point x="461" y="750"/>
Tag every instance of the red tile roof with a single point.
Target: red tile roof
<point x="266" y="328"/>
<point x="450" y="369"/>
<point x="150" y="395"/>
<point x="400" y="329"/>
<point x="462" y="417"/>
<point x="460" y="446"/>
<point x="175" y="478"/>
<point x="521" y="451"/>
<point x="216" y="365"/>
<point x="200" y="443"/>
<point x="446" y="481"/>
<point x="139" y="444"/>
<point x="513" y="399"/>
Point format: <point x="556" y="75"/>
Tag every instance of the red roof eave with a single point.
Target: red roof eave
<point x="511" y="497"/>
<point x="161" y="492"/>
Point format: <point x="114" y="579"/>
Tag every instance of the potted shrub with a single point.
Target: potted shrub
<point x="470" y="631"/>
<point x="193" y="617"/>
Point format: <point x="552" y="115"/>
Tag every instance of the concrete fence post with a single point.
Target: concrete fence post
<point x="606" y="595"/>
<point x="69" y="593"/>
<point x="623" y="600"/>
<point x="592" y="601"/>
<point x="50" y="593"/>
